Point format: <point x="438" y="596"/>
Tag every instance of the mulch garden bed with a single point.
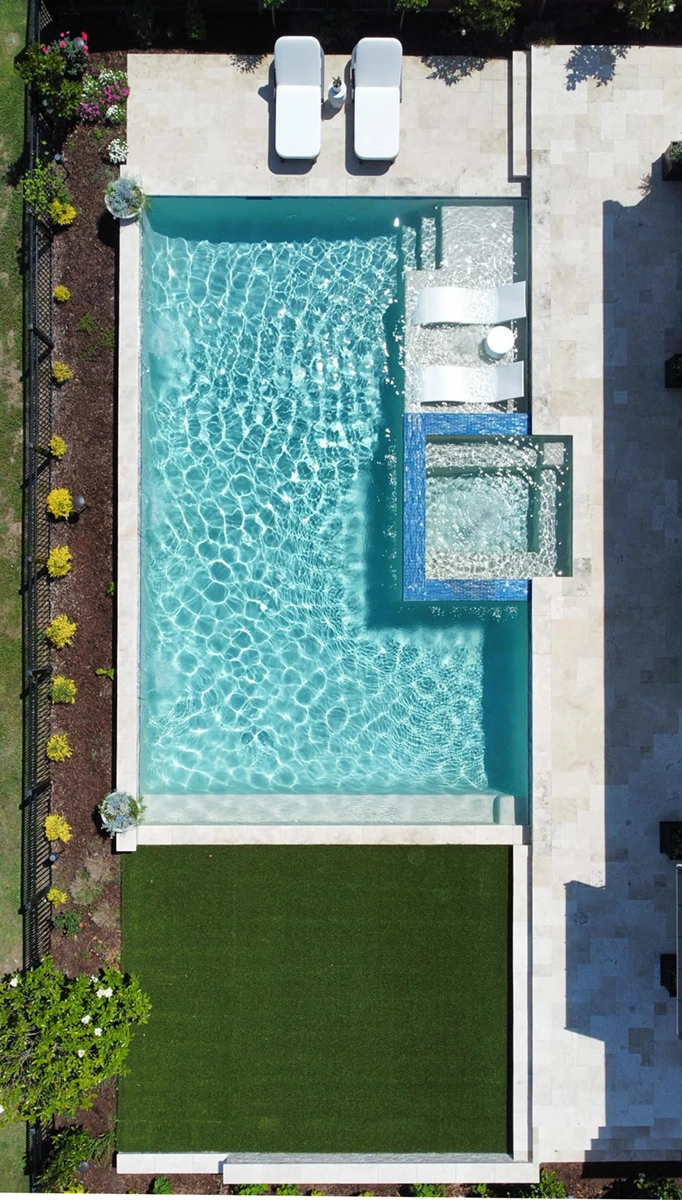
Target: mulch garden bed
<point x="84" y="259"/>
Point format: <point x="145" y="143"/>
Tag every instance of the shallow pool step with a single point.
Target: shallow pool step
<point x="408" y="247"/>
<point x="427" y="244"/>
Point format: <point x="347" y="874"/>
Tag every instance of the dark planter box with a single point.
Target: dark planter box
<point x="673" y="371"/>
<point x="669" y="973"/>
<point x="672" y="162"/>
<point x="670" y="834"/>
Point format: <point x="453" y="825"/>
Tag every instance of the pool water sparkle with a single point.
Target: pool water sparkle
<point x="277" y="654"/>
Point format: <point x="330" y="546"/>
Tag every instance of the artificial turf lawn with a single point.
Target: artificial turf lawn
<point x="319" y="999"/>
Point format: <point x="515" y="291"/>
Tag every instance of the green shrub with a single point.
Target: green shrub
<point x="658" y="1189"/>
<point x="68" y="1149"/>
<point x="60" y="1038"/>
<point x="195" y="22"/>
<point x="68" y="922"/>
<point x="253" y="1189"/>
<point x="641" y="13"/>
<point x="63" y="690"/>
<point x="429" y="1189"/>
<point x="486" y="16"/>
<point x="47" y="195"/>
<point x="411" y="6"/>
<point x="87" y="323"/>
<point x="549" y="1186"/>
<point x="59" y="94"/>
<point x="161" y="1186"/>
<point x="287" y="1189"/>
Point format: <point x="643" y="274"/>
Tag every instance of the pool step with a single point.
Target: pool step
<point x="477" y="243"/>
<point x="408" y="247"/>
<point x="427" y="244"/>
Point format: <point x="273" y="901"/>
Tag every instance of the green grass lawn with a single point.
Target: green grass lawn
<point x="12" y="29"/>
<point x="318" y="998"/>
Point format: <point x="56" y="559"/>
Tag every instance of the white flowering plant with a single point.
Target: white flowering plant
<point x="52" y="1057"/>
<point x="119" y="811"/>
<point x="117" y="151"/>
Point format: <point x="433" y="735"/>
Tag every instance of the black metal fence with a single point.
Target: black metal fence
<point x="37" y="376"/>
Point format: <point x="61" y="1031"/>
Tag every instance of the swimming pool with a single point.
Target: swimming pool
<point x="277" y="654"/>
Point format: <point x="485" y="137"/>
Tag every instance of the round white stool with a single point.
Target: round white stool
<point x="499" y="341"/>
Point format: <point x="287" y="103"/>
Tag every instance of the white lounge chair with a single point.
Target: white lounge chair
<point x="470" y="306"/>
<point x="376" y="77"/>
<point x="468" y="385"/>
<point x="299" y="93"/>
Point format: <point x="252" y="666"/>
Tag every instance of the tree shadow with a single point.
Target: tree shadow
<point x="452" y="68"/>
<point x="16" y="169"/>
<point x="246" y="64"/>
<point x="107" y="229"/>
<point x="593" y="62"/>
<point x="617" y="929"/>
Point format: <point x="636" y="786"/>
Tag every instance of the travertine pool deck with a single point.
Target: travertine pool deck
<point x="605" y="1062"/>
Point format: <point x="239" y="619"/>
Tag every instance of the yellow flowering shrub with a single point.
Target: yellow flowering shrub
<point x="61" y="293"/>
<point x="61" y="213"/>
<point x="61" y="372"/>
<point x="57" y="828"/>
<point x="60" y="631"/>
<point x="63" y="690"/>
<point x="58" y="747"/>
<point x="60" y="503"/>
<point x="57" y="446"/>
<point x="57" y="896"/>
<point x="59" y="562"/>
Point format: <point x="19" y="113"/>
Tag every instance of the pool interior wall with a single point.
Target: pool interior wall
<point x="277" y="654"/>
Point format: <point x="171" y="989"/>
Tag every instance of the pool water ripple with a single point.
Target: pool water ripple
<point x="264" y="668"/>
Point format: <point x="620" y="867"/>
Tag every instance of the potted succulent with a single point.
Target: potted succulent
<point x="673" y="371"/>
<point x="337" y="92"/>
<point x="120" y="811"/>
<point x="125" y="199"/>
<point x="672" y="161"/>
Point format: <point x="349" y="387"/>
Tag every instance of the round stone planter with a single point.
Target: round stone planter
<point x="131" y="215"/>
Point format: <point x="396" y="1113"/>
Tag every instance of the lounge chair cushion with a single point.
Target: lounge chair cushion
<point x="299" y="73"/>
<point x="376" y="68"/>
<point x="297" y="123"/>
<point x="377" y="123"/>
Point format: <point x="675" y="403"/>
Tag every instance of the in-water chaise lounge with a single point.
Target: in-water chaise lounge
<point x="376" y="78"/>
<point x="468" y="385"/>
<point x="470" y="306"/>
<point x="299" y="92"/>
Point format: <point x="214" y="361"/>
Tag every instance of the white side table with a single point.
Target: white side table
<point x="499" y="341"/>
<point x="337" y="95"/>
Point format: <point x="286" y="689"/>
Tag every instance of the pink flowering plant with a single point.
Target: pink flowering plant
<point x="104" y="97"/>
<point x="74" y="52"/>
<point x="61" y="1037"/>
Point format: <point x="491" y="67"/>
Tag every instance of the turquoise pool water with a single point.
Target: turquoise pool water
<point x="277" y="654"/>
